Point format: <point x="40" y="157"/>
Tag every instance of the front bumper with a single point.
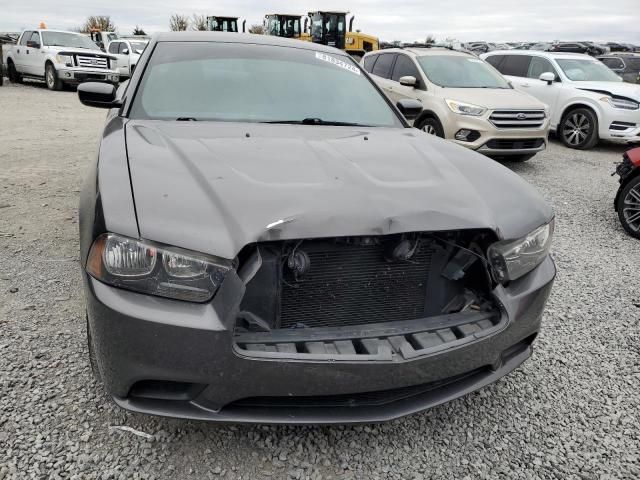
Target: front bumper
<point x="79" y="75"/>
<point x="619" y="126"/>
<point x="142" y="342"/>
<point x="493" y="141"/>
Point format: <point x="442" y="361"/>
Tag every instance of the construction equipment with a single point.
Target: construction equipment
<point x="284" y="25"/>
<point x="224" y="24"/>
<point x="330" y="28"/>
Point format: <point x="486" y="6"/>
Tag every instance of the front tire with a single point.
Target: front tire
<point x="579" y="129"/>
<point x="431" y="126"/>
<point x="14" y="76"/>
<point x="51" y="77"/>
<point x="629" y="207"/>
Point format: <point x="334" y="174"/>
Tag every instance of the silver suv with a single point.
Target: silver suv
<point x="465" y="100"/>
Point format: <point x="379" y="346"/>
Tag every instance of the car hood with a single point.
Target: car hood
<point x="77" y="51"/>
<point x="622" y="89"/>
<point x="494" y="98"/>
<point x="215" y="187"/>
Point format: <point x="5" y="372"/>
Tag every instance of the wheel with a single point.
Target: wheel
<point x="579" y="129"/>
<point x="431" y="126"/>
<point x="629" y="207"/>
<point x="92" y="354"/>
<point x="51" y="77"/>
<point x="14" y="76"/>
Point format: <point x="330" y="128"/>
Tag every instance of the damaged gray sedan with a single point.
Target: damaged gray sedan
<point x="265" y="239"/>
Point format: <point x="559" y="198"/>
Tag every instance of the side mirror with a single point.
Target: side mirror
<point x="408" y="81"/>
<point x="99" y="95"/>
<point x="548" y="77"/>
<point x="409" y="108"/>
<point x="125" y="51"/>
<point x="31" y="44"/>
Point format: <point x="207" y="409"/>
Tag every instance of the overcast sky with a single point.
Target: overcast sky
<point x="407" y="20"/>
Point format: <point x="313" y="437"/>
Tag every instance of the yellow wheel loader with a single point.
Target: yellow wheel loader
<point x="224" y="24"/>
<point x="330" y="28"/>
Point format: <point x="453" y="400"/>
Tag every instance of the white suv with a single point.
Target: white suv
<point x="588" y="101"/>
<point x="127" y="52"/>
<point x="465" y="100"/>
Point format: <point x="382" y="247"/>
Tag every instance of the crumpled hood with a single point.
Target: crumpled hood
<point x="494" y="98"/>
<point x="215" y="187"/>
<point x="622" y="89"/>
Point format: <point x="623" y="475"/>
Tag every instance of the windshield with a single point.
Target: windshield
<point x="586" y="70"/>
<point x="138" y="47"/>
<point x="460" y="72"/>
<point x="257" y="83"/>
<point x="62" y="39"/>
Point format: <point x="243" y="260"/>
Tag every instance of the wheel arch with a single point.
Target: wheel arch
<point x="583" y="103"/>
<point x="426" y="114"/>
<point x="635" y="173"/>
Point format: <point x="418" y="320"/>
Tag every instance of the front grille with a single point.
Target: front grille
<point x="354" y="284"/>
<point x="515" y="144"/>
<point x="505" y="119"/>
<point x="92" y="62"/>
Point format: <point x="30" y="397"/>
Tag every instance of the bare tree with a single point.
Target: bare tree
<point x="199" y="22"/>
<point x="430" y="40"/>
<point x="257" y="29"/>
<point x="138" y="31"/>
<point x="178" y="23"/>
<point x="98" y="22"/>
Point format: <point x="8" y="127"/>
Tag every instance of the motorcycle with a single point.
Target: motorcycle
<point x="627" y="202"/>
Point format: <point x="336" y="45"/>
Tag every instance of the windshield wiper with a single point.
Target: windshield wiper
<point x="318" y="121"/>
<point x="186" y="119"/>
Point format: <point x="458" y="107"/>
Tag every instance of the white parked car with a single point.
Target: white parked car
<point x="465" y="100"/>
<point x="127" y="52"/>
<point x="588" y="101"/>
<point x="59" y="57"/>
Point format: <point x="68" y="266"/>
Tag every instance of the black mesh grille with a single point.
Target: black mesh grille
<point x="383" y="397"/>
<point x="515" y="144"/>
<point x="354" y="284"/>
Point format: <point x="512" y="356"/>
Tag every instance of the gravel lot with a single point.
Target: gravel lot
<point x="570" y="412"/>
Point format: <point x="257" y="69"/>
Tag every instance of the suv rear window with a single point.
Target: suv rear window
<point x="382" y="67"/>
<point x="515" y="65"/>
<point x="369" y="61"/>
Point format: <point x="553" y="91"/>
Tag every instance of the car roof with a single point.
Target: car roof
<point x="425" y="51"/>
<point x="245" y="38"/>
<point x="539" y="53"/>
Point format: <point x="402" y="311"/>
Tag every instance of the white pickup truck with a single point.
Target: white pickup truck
<point x="127" y="52"/>
<point x="59" y="57"/>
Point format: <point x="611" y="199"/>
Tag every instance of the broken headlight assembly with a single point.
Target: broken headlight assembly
<point x="146" y="267"/>
<point x="511" y="259"/>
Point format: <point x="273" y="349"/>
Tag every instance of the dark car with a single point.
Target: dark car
<point x="577" y="47"/>
<point x="627" y="201"/>
<point x="626" y="65"/>
<point x="619" y="47"/>
<point x="264" y="238"/>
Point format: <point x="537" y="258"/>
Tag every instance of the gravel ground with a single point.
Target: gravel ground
<point x="570" y="412"/>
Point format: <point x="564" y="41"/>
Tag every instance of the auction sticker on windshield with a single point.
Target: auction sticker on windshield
<point x="337" y="62"/>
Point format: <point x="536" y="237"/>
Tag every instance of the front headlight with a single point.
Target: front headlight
<point x="511" y="259"/>
<point x="465" y="108"/>
<point x="146" y="267"/>
<point x="623" y="103"/>
<point x="66" y="59"/>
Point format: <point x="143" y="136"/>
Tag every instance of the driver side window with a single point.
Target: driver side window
<point x="113" y="47"/>
<point x="540" y="65"/>
<point x="123" y="47"/>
